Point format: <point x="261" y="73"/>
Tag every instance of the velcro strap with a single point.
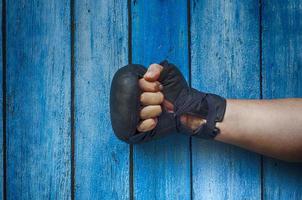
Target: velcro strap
<point x="195" y="103"/>
<point x="208" y="130"/>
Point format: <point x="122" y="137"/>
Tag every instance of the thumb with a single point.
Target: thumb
<point x="191" y="121"/>
<point x="153" y="72"/>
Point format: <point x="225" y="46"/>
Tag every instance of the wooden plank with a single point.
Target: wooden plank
<point x="38" y="99"/>
<point x="101" y="47"/>
<point x="225" y="61"/>
<point x="159" y="31"/>
<point x="282" y="77"/>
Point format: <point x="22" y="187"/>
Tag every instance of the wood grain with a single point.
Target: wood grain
<point x="225" y="60"/>
<point x="225" y="54"/>
<point x="282" y="77"/>
<point x="101" y="47"/>
<point x="38" y="99"/>
<point x="159" y="31"/>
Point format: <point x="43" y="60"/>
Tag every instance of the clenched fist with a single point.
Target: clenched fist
<point x="149" y="104"/>
<point x="153" y="99"/>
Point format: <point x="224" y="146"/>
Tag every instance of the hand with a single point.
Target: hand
<point x="152" y="98"/>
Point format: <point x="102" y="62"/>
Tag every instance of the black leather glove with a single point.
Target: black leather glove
<point x="125" y="105"/>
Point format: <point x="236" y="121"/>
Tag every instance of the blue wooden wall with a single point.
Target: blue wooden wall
<point x="57" y="62"/>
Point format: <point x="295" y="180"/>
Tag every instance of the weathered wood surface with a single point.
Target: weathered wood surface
<point x="225" y="60"/>
<point x="221" y="55"/>
<point x="101" y="47"/>
<point x="38" y="99"/>
<point x="161" y="169"/>
<point x="282" y="77"/>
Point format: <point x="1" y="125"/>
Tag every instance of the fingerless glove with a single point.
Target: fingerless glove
<point x="125" y="105"/>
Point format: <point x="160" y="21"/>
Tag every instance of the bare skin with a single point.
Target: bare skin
<point x="268" y="127"/>
<point x="150" y="98"/>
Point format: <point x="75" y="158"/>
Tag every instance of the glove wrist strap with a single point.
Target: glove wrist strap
<point x="207" y="106"/>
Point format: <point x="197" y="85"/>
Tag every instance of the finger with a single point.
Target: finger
<point x="147" y="125"/>
<point x="151" y="98"/>
<point x="153" y="72"/>
<point x="150" y="111"/>
<point x="148" y="86"/>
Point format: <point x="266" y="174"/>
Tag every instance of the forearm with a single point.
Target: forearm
<point x="269" y="127"/>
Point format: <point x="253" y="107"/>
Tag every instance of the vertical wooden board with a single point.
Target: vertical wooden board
<point x="225" y="60"/>
<point x="159" y="31"/>
<point x="101" y="47"/>
<point x="282" y="77"/>
<point x="38" y="99"/>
